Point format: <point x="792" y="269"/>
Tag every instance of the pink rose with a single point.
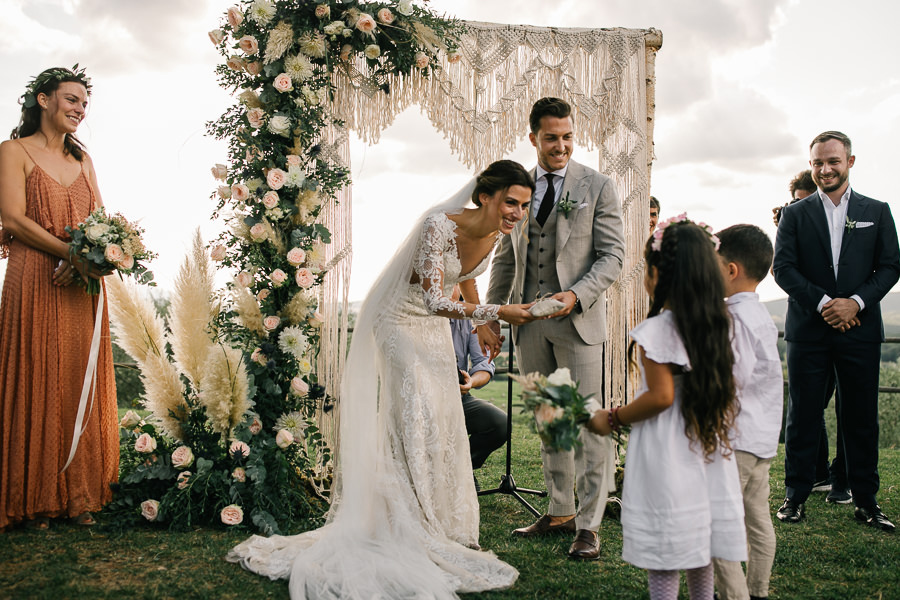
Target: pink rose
<point x="293" y="160"/>
<point x="304" y="277"/>
<point x="182" y="457"/>
<point x="284" y="438"/>
<point x="239" y="474"/>
<point x="283" y="83"/>
<point x="546" y="414"/>
<point x="130" y="419"/>
<point x="224" y="192"/>
<point x="422" y="60"/>
<point x="235" y="63"/>
<point x="316" y="320"/>
<point x="270" y="200"/>
<point x="248" y="44"/>
<point x="240" y="192"/>
<point x="453" y="57"/>
<point x="365" y="23"/>
<point x="259" y="358"/>
<point x="271" y="322"/>
<point x="299" y="387"/>
<point x="258" y="232"/>
<point x="114" y="253"/>
<point x="386" y="16"/>
<point x="235" y="17"/>
<point x="218" y="252"/>
<point x="239" y="448"/>
<point x="182" y="479"/>
<point x="254" y="68"/>
<point x="323" y="11"/>
<point x="145" y="444"/>
<point x="296" y="256"/>
<point x="220" y="172"/>
<point x="126" y="263"/>
<point x="150" y="509"/>
<point x="256" y="117"/>
<point x="232" y="515"/>
<point x="255" y="425"/>
<point x="244" y="279"/>
<point x="262" y="295"/>
<point x="278" y="277"/>
<point x="346" y="49"/>
<point x="276" y="178"/>
<point x="216" y="36"/>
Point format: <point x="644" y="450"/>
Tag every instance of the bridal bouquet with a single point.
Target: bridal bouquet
<point x="559" y="409"/>
<point x="110" y="243"/>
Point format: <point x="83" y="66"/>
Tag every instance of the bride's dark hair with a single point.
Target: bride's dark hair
<point x="689" y="283"/>
<point x="501" y="175"/>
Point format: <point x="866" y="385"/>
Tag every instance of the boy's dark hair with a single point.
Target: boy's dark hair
<point x="748" y="246"/>
<point x="552" y="107"/>
<point x="654" y="203"/>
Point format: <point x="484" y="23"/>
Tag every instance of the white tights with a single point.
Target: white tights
<point x="664" y="584"/>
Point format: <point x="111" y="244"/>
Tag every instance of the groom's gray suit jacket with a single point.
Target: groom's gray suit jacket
<point x="587" y="252"/>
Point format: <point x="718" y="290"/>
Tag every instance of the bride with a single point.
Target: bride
<point x="403" y="522"/>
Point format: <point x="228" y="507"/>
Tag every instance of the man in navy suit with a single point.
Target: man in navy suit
<point x="836" y="256"/>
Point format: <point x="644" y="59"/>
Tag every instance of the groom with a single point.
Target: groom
<point x="571" y="247"/>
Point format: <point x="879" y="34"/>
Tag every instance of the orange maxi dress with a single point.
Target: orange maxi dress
<point x="45" y="337"/>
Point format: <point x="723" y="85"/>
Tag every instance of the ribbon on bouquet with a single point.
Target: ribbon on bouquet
<point x="90" y="380"/>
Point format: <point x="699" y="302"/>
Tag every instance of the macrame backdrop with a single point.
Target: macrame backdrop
<point x="481" y="105"/>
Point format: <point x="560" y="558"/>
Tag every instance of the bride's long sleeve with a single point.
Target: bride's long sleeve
<point x="428" y="266"/>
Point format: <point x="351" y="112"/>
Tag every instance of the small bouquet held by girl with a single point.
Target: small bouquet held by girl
<point x="110" y="243"/>
<point x="559" y="409"/>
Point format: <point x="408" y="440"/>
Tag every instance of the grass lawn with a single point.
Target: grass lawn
<point x="828" y="556"/>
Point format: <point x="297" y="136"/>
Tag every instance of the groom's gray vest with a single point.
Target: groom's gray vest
<point x="541" y="278"/>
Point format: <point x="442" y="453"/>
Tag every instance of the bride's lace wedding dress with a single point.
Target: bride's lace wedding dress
<point x="404" y="518"/>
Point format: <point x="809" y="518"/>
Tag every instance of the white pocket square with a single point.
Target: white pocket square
<point x="582" y="205"/>
<point x="862" y="224"/>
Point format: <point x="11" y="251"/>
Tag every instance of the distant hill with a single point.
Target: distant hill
<point x="890" y="312"/>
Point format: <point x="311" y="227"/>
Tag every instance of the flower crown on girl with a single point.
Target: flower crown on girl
<point x="29" y="98"/>
<point x="656" y="244"/>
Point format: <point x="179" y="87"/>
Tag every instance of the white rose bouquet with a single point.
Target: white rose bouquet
<point x="559" y="409"/>
<point x="110" y="243"/>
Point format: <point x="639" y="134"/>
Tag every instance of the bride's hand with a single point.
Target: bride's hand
<point x="489" y="342"/>
<point x="517" y="314"/>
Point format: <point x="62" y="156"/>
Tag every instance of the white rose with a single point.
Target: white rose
<point x="334" y="28"/>
<point x="422" y="60"/>
<point x="216" y="36"/>
<point x="96" y="231"/>
<point x="404" y="7"/>
<point x="224" y="192"/>
<point x="280" y="125"/>
<point x="240" y="192"/>
<point x="248" y="44"/>
<point x="282" y="83"/>
<point x="299" y="387"/>
<point x="220" y="172"/>
<point x="284" y="438"/>
<point x="296" y="256"/>
<point x="561" y="376"/>
<point x="218" y="252"/>
<point x="131" y="419"/>
<point x="258" y="233"/>
<point x="372" y="51"/>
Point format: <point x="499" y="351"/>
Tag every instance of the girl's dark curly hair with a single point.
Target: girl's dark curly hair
<point x="689" y="283"/>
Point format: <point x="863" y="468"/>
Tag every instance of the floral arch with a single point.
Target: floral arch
<point x="244" y="410"/>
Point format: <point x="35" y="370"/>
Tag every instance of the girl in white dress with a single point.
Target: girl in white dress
<point x="681" y="502"/>
<point x="404" y="521"/>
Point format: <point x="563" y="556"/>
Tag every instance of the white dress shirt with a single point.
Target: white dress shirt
<point x="757" y="376"/>
<point x="540" y="187"/>
<point x="837" y="222"/>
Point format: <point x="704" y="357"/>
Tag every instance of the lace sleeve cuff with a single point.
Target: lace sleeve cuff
<point x="486" y="312"/>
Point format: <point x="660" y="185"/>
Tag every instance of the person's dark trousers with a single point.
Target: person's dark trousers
<point x="836" y="470"/>
<point x="856" y="365"/>
<point x="486" y="426"/>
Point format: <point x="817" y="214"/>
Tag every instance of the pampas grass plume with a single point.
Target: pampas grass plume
<point x="139" y="329"/>
<point x="164" y="395"/>
<point x="247" y="308"/>
<point x="224" y="388"/>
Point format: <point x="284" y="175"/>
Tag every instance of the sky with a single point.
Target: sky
<point x="742" y="87"/>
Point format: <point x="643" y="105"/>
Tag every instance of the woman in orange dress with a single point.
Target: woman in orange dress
<point x="47" y="182"/>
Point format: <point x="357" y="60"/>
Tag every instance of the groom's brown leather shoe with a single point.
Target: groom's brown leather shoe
<point x="542" y="527"/>
<point x="586" y="545"/>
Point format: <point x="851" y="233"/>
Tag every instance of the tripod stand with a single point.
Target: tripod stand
<point x="507" y="484"/>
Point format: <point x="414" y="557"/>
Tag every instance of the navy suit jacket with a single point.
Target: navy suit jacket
<point x="869" y="266"/>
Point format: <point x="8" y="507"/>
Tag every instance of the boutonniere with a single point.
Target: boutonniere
<point x="565" y="206"/>
<point x="848" y="224"/>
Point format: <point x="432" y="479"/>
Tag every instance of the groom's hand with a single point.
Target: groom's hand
<point x="569" y="299"/>
<point x="839" y="311"/>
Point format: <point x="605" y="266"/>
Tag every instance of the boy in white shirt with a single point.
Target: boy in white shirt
<point x="745" y="254"/>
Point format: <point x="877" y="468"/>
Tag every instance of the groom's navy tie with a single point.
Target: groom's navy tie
<point x="547" y="202"/>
